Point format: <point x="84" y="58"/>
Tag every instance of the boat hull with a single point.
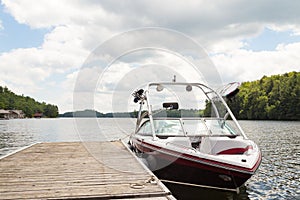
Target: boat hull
<point x="191" y="174"/>
<point x="189" y="171"/>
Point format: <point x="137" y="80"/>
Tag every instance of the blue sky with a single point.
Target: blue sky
<point x="44" y="44"/>
<point x="269" y="39"/>
<point x="15" y="35"/>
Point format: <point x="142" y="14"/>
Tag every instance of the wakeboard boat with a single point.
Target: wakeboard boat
<point x="187" y="134"/>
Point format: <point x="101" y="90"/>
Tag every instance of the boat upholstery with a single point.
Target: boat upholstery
<point x="182" y="142"/>
<point x="224" y="145"/>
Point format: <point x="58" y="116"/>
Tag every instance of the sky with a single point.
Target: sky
<point x="50" y="50"/>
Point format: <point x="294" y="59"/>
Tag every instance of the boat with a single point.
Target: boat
<point x="200" y="147"/>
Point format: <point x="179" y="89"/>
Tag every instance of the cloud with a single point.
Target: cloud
<point x="295" y="28"/>
<point x="245" y="65"/>
<point x="48" y="14"/>
<point x="33" y="65"/>
<point x="208" y="18"/>
<point x="210" y="22"/>
<point x="1" y="26"/>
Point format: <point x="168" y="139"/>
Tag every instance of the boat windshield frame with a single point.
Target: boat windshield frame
<point x="149" y="112"/>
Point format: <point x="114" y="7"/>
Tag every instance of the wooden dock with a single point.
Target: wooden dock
<point x="69" y="170"/>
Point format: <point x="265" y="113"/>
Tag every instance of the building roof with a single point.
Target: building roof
<point x="38" y="115"/>
<point x="4" y="111"/>
<point x="19" y="112"/>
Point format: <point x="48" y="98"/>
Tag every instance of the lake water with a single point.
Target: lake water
<point x="277" y="178"/>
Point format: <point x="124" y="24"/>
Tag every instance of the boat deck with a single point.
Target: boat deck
<point x="67" y="170"/>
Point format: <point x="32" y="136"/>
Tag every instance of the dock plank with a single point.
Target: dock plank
<point x="68" y="170"/>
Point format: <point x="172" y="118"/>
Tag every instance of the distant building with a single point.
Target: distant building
<point x="38" y="115"/>
<point x="4" y="114"/>
<point x="16" y="114"/>
<point x="11" y="114"/>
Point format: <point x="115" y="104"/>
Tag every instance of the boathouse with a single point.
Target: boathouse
<point x="4" y="114"/>
<point x="38" y="115"/>
<point x="16" y="114"/>
<point x="11" y="114"/>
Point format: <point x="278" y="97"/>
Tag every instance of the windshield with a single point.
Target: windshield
<point x="186" y="127"/>
<point x="162" y="127"/>
<point x="212" y="127"/>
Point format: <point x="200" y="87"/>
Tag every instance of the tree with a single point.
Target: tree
<point x="276" y="98"/>
<point x="10" y="101"/>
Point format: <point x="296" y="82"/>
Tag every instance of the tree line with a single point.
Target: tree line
<point x="134" y="114"/>
<point x="94" y="113"/>
<point x="11" y="101"/>
<point x="271" y="98"/>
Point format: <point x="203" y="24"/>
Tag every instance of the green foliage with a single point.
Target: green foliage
<point x="11" y="101"/>
<point x="271" y="98"/>
<point x="207" y="110"/>
<point x="178" y="113"/>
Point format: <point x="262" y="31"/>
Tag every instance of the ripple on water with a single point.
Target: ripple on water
<point x="278" y="175"/>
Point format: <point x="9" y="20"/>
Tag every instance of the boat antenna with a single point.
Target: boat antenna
<point x="174" y="79"/>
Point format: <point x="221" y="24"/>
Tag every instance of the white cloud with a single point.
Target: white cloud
<point x="1" y="26"/>
<point x="245" y="65"/>
<point x="127" y="74"/>
<point x="295" y="28"/>
<point x="207" y="18"/>
<point x="47" y="14"/>
<point x="65" y="97"/>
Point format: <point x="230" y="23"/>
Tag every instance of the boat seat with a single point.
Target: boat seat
<point x="224" y="145"/>
<point x="179" y="141"/>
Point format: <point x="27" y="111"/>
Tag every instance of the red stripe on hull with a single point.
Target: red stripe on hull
<point x="235" y="150"/>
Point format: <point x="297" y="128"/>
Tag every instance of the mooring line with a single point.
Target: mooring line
<point x="202" y="186"/>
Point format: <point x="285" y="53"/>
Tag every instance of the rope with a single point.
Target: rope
<point x="238" y="190"/>
<point x="201" y="186"/>
<point x="152" y="181"/>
